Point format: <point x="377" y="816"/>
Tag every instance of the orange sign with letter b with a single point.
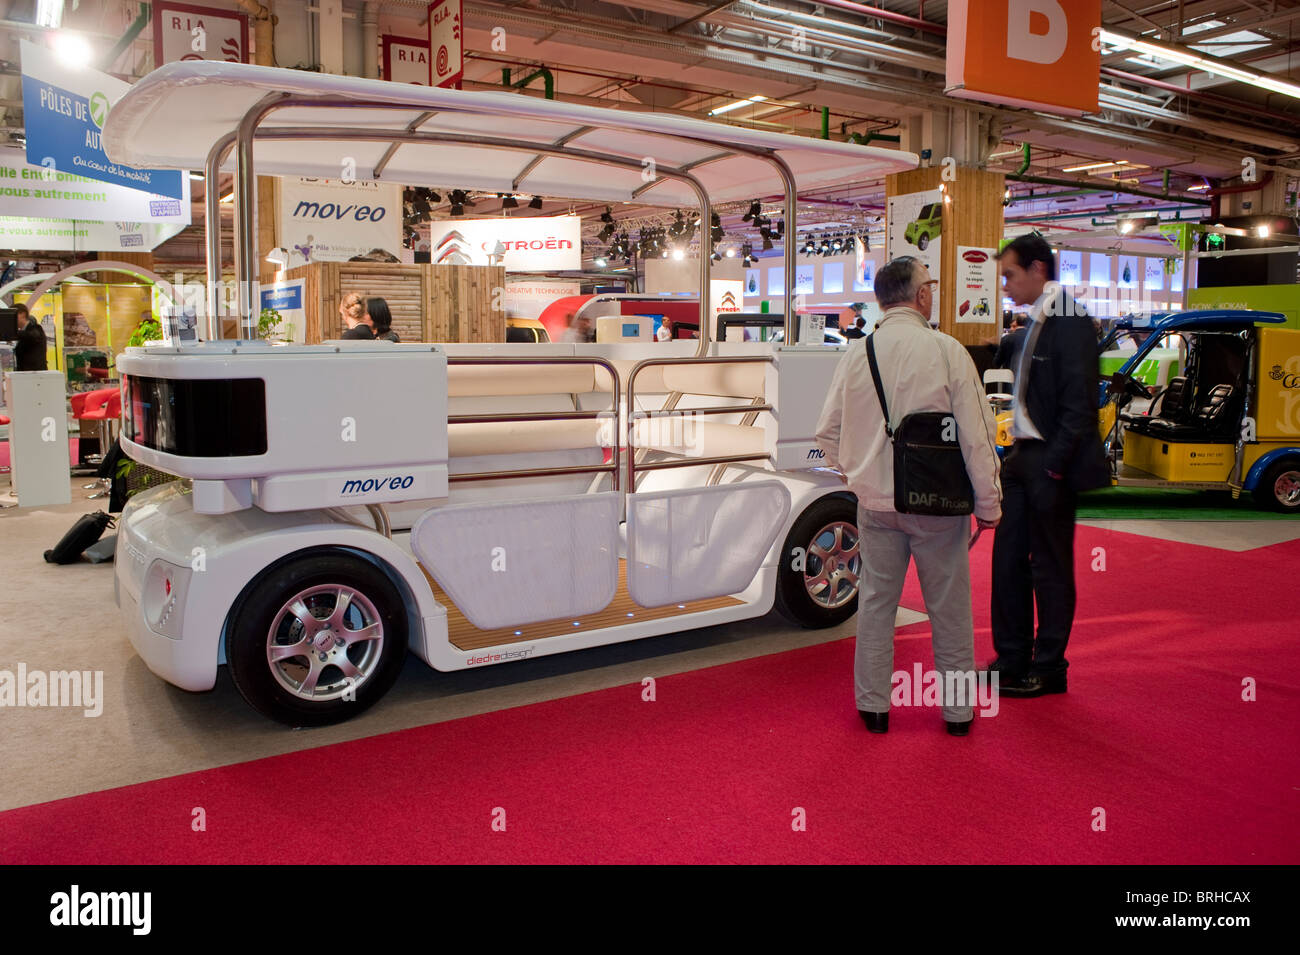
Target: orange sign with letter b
<point x="1040" y="54"/>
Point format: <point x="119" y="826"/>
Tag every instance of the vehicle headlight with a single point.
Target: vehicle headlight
<point x="162" y="597"/>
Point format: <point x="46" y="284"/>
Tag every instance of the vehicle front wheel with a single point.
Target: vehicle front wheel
<point x="1279" y="488"/>
<point x="923" y="242"/>
<point x="317" y="641"/>
<point x="817" y="580"/>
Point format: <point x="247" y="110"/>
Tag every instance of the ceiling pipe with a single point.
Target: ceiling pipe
<point x="1049" y="225"/>
<point x="1075" y="184"/>
<point x="925" y="26"/>
<point x="1218" y="191"/>
<point x="1024" y="156"/>
<point x="1244" y="187"/>
<point x="1095" y="213"/>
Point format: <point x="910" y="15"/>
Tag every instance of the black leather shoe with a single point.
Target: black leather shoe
<point x="959" y="729"/>
<point x="1035" y="684"/>
<point x="1005" y="672"/>
<point x="876" y="722"/>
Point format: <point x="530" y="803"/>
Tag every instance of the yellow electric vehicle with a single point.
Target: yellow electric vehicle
<point x="1229" y="421"/>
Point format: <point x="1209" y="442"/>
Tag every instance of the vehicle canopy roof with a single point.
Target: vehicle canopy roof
<point x="172" y="118"/>
<point x="1204" y="320"/>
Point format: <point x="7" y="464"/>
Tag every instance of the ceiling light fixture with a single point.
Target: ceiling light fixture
<point x="1086" y="167"/>
<point x="1199" y="61"/>
<point x="71" y="50"/>
<point x="736" y="105"/>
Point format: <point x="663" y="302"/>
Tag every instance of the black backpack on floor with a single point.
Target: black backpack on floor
<point x="88" y="529"/>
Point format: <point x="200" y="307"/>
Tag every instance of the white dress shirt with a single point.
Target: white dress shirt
<point x="920" y="370"/>
<point x="1021" y="426"/>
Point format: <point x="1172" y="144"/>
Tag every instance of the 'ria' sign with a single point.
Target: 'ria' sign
<point x="1033" y="53"/>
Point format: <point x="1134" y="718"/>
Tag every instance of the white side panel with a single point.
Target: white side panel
<point x="697" y="543"/>
<point x="38" y="436"/>
<point x="338" y="411"/>
<point x="797" y="385"/>
<point x="511" y="563"/>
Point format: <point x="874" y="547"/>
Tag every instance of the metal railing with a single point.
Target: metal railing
<point x="619" y="444"/>
<point x="612" y="466"/>
<point x="750" y="411"/>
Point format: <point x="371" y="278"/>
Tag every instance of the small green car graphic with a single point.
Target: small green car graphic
<point x="927" y="226"/>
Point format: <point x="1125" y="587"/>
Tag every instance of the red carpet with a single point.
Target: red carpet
<point x="1153" y="732"/>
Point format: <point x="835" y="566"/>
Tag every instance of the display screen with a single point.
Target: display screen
<point x="196" y="418"/>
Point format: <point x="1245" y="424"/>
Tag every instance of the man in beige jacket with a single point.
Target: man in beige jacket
<point x="921" y="370"/>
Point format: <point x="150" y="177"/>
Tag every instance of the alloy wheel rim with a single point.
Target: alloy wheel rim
<point x="1287" y="488"/>
<point x="325" y="642"/>
<point x="833" y="565"/>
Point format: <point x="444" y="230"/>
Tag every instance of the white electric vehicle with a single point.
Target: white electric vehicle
<point x="474" y="503"/>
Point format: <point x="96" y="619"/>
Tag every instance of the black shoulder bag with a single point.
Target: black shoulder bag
<point x="929" y="470"/>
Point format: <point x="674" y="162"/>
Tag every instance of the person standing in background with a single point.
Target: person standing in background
<point x="352" y="310"/>
<point x="1008" y="353"/>
<point x="31" y="346"/>
<point x="380" y="320"/>
<point x="1056" y="453"/>
<point x="920" y="370"/>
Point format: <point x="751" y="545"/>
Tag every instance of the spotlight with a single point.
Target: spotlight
<point x="509" y="203"/>
<point x="536" y="203"/>
<point x="731" y="253"/>
<point x="767" y="242"/>
<point x="679" y="254"/>
<point x="607" y="216"/>
<point x="755" y="210"/>
<point x="601" y="261"/>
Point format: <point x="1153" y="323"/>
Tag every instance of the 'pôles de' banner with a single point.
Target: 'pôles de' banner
<point x="64" y="111"/>
<point x="41" y="192"/>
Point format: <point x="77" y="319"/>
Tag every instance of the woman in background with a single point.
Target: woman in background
<point x="380" y="320"/>
<point x="352" y="310"/>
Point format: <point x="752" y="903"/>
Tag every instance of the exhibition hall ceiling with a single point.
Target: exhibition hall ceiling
<point x="871" y="70"/>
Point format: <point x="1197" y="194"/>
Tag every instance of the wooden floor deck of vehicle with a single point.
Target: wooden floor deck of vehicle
<point x="465" y="636"/>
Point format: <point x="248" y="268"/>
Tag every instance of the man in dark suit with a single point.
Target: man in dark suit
<point x="1057" y="453"/>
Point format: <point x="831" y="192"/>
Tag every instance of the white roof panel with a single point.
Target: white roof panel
<point x="172" y="118"/>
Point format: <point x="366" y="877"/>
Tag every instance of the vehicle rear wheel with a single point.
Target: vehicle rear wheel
<point x="1279" y="488"/>
<point x="923" y="242"/>
<point x="318" y="641"/>
<point x="817" y="579"/>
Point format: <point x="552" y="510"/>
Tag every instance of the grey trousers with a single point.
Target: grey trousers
<point x="887" y="543"/>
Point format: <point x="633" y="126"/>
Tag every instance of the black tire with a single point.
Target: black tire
<point x="923" y="242"/>
<point x="1279" y="487"/>
<point x="797" y="578"/>
<point x="319" y="581"/>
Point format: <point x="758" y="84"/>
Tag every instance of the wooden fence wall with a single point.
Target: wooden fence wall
<point x="430" y="303"/>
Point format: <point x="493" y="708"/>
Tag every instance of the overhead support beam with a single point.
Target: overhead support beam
<point x="717" y="8"/>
